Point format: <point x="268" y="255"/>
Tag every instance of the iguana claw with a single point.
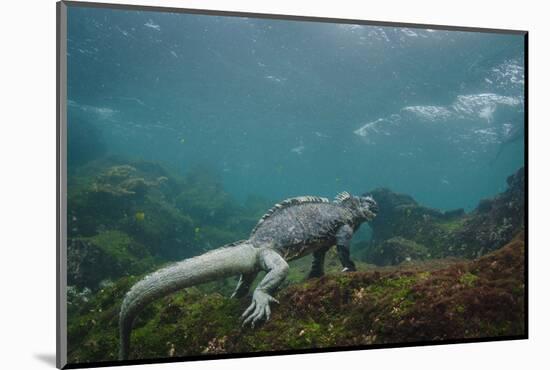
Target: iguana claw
<point x="259" y="308"/>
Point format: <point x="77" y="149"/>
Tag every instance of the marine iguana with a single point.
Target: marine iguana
<point x="290" y="230"/>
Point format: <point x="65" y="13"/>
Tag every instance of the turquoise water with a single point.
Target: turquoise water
<point x="283" y="108"/>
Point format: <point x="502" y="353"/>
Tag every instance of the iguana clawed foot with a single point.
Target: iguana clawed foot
<point x="349" y="269"/>
<point x="259" y="308"/>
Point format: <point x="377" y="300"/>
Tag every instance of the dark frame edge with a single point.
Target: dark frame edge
<point x="61" y="206"/>
<point x="58" y="363"/>
<point x="288" y="17"/>
<point x="526" y="184"/>
<point x="290" y="352"/>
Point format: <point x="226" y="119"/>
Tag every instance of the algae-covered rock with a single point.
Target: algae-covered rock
<point x="135" y="198"/>
<point x="128" y="218"/>
<point x="108" y="255"/>
<point x="477" y="299"/>
<point x="391" y="206"/>
<point x="123" y="181"/>
<point x="104" y="196"/>
<point x="397" y="250"/>
<point x="92" y="325"/>
<point x="165" y="231"/>
<point x="401" y="216"/>
<point x="174" y="217"/>
<point x="448" y="233"/>
<point x="494" y="221"/>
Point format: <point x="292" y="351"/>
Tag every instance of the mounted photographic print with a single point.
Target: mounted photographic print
<point x="235" y="184"/>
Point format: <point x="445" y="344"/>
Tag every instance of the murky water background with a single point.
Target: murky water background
<point x="281" y="108"/>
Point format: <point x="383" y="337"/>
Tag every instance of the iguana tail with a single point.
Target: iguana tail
<point x="233" y="259"/>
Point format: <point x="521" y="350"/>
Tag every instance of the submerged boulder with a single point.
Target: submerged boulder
<point x="397" y="250"/>
<point x="106" y="256"/>
<point x="165" y="231"/>
<point x="101" y="196"/>
<point x="446" y="233"/>
<point x="494" y="221"/>
<point x="124" y="181"/>
<point x="394" y="208"/>
<point x="401" y="217"/>
<point x="465" y="300"/>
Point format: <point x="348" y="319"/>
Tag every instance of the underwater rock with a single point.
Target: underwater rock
<point x="105" y="194"/>
<point x="77" y="298"/>
<point x="108" y="255"/>
<point x="120" y="181"/>
<point x="161" y="227"/>
<point x="79" y="270"/>
<point x="402" y="217"/>
<point x="173" y="217"/>
<point x="397" y="250"/>
<point x="476" y="299"/>
<point x="494" y="221"/>
<point x="451" y="233"/>
<point x="117" y="172"/>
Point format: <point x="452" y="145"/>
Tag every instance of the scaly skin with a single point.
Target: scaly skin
<point x="290" y="230"/>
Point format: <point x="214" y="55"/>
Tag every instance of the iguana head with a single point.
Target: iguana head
<point x="364" y="207"/>
<point x="368" y="207"/>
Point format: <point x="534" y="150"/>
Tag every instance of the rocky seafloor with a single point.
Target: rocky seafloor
<point x="425" y="275"/>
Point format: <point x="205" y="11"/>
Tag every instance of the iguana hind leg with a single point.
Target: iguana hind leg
<point x="243" y="286"/>
<point x="318" y="264"/>
<point x="277" y="270"/>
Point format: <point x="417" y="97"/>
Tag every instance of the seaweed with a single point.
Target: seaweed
<point x="472" y="299"/>
<point x="127" y="218"/>
<point x="105" y="256"/>
<point x="405" y="230"/>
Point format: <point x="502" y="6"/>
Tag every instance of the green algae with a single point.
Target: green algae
<point x="450" y="226"/>
<point x="422" y="299"/>
<point x="461" y="301"/>
<point x="106" y="256"/>
<point x="120" y="246"/>
<point x="468" y="279"/>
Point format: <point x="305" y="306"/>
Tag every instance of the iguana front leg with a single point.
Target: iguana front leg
<point x="277" y="270"/>
<point x="343" y="241"/>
